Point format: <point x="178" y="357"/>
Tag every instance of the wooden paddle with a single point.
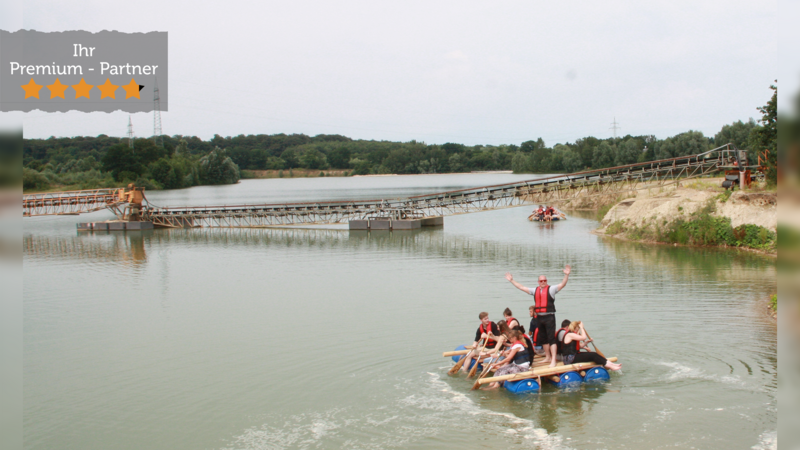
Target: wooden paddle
<point x="460" y="362"/>
<point x="477" y="359"/>
<point x="592" y="342"/>
<point x="486" y="370"/>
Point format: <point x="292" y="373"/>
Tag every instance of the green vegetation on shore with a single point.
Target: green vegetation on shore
<point x="86" y="162"/>
<point x="107" y="162"/>
<point x="700" y="228"/>
<point x="773" y="302"/>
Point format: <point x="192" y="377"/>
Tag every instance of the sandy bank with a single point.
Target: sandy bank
<point x="743" y="207"/>
<point x="675" y="216"/>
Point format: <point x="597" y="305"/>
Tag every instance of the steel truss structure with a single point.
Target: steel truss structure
<point x="70" y="202"/>
<point x="555" y="189"/>
<point x="550" y="190"/>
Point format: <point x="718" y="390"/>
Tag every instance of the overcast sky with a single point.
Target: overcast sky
<point x="435" y="71"/>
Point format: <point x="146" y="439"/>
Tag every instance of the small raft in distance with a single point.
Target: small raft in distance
<point x="534" y="217"/>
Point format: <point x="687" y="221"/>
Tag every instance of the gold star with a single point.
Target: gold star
<point x="82" y="89"/>
<point x="107" y="89"/>
<point x="131" y="89"/>
<point x="57" y="89"/>
<point x="32" y="89"/>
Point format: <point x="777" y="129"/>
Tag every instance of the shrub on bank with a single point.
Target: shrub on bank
<point x="700" y="228"/>
<point x="33" y="179"/>
<point x="601" y="213"/>
<point x="48" y="179"/>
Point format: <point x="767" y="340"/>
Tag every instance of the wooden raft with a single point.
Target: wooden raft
<point x="542" y="370"/>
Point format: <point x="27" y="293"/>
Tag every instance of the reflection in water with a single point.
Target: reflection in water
<point x="725" y="264"/>
<point x="554" y="409"/>
<point x="127" y="247"/>
<point x="416" y="243"/>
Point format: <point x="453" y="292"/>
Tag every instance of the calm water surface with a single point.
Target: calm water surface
<point x="325" y="338"/>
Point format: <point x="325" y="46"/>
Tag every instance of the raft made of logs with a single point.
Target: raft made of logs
<point x="525" y="382"/>
<point x="546" y="371"/>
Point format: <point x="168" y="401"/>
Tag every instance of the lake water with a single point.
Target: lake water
<point x="325" y="338"/>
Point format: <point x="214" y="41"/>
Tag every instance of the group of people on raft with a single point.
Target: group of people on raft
<point x="546" y="214"/>
<point x="509" y="349"/>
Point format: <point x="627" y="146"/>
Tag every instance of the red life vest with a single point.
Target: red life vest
<point x="508" y="321"/>
<point x="491" y="343"/>
<point x="544" y="301"/>
<point x="560" y="341"/>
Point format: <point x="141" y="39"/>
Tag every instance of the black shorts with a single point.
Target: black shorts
<point x="547" y="329"/>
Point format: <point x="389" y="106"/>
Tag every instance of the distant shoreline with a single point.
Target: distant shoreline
<point x="313" y="173"/>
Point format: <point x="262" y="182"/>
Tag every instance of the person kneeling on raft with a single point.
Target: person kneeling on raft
<point x="560" y="339"/>
<point x="516" y="358"/>
<point x="486" y="330"/>
<point x="574" y="339"/>
<point x="503" y="337"/>
<point x="528" y="343"/>
<point x="509" y="318"/>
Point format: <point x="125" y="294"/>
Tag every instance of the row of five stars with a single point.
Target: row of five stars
<point x="82" y="89"/>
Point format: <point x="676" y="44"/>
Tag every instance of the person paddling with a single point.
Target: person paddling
<point x="528" y="341"/>
<point x="537" y="214"/>
<point x="510" y="320"/>
<point x="516" y="358"/>
<point x="574" y="339"/>
<point x="560" y="336"/>
<point x="486" y="330"/>
<point x="545" y="297"/>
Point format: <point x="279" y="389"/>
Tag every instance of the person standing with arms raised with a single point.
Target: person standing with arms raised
<point x="545" y="309"/>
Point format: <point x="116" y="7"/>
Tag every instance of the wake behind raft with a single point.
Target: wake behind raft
<point x="561" y="375"/>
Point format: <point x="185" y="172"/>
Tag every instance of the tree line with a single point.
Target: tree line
<point x="185" y="161"/>
<point x="86" y="163"/>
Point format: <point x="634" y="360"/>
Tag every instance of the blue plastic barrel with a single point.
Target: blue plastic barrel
<point x="596" y="374"/>
<point x="522" y="386"/>
<point x="456" y="358"/>
<point x="569" y="378"/>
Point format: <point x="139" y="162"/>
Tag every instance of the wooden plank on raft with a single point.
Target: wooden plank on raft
<point x="457" y="352"/>
<point x="543" y="372"/>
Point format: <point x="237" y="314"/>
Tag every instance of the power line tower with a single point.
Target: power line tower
<point x="130" y="132"/>
<point x="614" y="127"/>
<point x="157" y="139"/>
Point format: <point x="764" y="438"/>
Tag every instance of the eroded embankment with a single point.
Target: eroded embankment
<point x="696" y="216"/>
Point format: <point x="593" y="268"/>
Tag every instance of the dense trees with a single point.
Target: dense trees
<point x="737" y="133"/>
<point x="187" y="160"/>
<point x="765" y="136"/>
<point x="175" y="165"/>
<point x="218" y="168"/>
